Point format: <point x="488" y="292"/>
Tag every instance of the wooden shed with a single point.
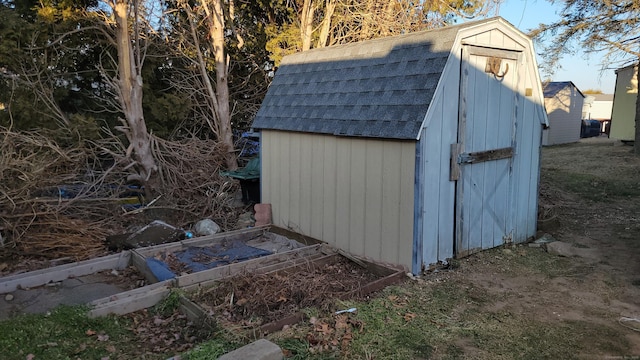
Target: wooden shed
<point x="563" y="102"/>
<point x="408" y="150"/>
<point x="623" y="114"/>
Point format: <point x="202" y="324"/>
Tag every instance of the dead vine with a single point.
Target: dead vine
<point x="58" y="202"/>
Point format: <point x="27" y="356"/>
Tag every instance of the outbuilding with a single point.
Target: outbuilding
<point x="563" y="102"/>
<point x="409" y="150"/>
<point x="623" y="115"/>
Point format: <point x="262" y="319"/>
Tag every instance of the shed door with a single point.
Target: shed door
<point x="482" y="158"/>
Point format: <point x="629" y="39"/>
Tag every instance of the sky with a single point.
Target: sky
<point x="582" y="70"/>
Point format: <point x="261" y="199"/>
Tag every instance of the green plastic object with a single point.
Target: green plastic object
<point x="249" y="172"/>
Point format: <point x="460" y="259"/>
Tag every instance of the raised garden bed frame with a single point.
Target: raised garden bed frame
<point x="314" y="252"/>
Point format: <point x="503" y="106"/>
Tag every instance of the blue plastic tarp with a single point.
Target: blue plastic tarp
<point x="202" y="258"/>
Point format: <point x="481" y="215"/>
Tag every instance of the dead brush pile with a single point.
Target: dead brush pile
<point x="251" y="300"/>
<point x="60" y="202"/>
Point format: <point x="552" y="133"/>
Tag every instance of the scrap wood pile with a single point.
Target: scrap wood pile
<point x="252" y="300"/>
<point x="58" y="202"/>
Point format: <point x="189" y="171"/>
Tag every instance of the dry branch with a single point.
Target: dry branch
<point x="62" y="203"/>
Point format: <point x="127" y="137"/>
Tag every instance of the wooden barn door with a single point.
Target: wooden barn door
<point x="481" y="161"/>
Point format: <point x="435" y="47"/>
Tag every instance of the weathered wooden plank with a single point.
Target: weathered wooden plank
<point x="129" y="294"/>
<point x="195" y="313"/>
<point x="486" y="155"/>
<point x="376" y="285"/>
<point x="454" y="167"/>
<point x="372" y="266"/>
<point x="259" y="270"/>
<point x="489" y="51"/>
<point x="242" y="234"/>
<point x="139" y="261"/>
<point x="130" y="304"/>
<point x="62" y="272"/>
<point x="446" y="195"/>
<point x="301" y="238"/>
<point x="229" y="270"/>
<point x="291" y="262"/>
<point x="306" y="265"/>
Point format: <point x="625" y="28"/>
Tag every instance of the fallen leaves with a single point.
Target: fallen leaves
<point x="166" y="334"/>
<point x="409" y="316"/>
<point x="99" y="337"/>
<point x="264" y="298"/>
<point x="334" y="333"/>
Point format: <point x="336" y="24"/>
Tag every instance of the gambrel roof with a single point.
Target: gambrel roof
<point x="379" y="88"/>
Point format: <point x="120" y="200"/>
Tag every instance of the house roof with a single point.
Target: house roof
<point x="603" y="97"/>
<point x="379" y="88"/>
<point x="552" y="88"/>
<point x="624" y="68"/>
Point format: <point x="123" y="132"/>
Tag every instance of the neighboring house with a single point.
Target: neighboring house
<point x="563" y="102"/>
<point x="410" y="149"/>
<point x="599" y="107"/>
<point x="624" y="104"/>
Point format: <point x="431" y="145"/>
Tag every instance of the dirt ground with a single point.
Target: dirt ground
<point x="590" y="199"/>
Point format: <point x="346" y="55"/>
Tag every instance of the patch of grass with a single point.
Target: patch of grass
<point x="211" y="349"/>
<point x="168" y="305"/>
<point x="593" y="187"/>
<point x="64" y="333"/>
<point x="409" y="322"/>
<point x="527" y="260"/>
<point x="299" y="349"/>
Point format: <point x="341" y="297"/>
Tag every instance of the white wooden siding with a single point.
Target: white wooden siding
<point x="493" y="38"/>
<point x="440" y="131"/>
<point x="564" y="110"/>
<point x="356" y="194"/>
<point x="526" y="166"/>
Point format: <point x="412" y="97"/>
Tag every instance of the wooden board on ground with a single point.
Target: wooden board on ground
<point x="61" y="272"/>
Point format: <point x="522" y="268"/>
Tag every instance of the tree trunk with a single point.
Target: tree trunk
<point x="330" y="7"/>
<point x="216" y="32"/>
<point x="306" y="24"/>
<point x="204" y="73"/>
<point x="636" y="143"/>
<point x="130" y="96"/>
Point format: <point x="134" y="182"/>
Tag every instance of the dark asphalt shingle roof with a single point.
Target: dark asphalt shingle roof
<point x="379" y="88"/>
